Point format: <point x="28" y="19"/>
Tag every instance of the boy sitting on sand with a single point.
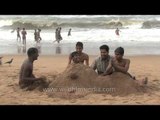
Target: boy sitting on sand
<point x="78" y="56"/>
<point x="26" y="78"/>
<point x="120" y="64"/>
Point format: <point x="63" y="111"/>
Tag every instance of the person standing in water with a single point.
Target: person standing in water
<point x="24" y="33"/>
<point x="69" y="32"/>
<point x="117" y="31"/>
<point x="39" y="36"/>
<point x="58" y="35"/>
<point x="18" y="35"/>
<point x="35" y="35"/>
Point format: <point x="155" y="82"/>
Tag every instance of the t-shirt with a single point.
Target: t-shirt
<point x="100" y="64"/>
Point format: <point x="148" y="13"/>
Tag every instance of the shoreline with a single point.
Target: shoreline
<point x="61" y="55"/>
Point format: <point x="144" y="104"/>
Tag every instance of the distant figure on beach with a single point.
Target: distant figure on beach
<point x="26" y="77"/>
<point x="18" y="35"/>
<point x="39" y="36"/>
<point x="35" y="35"/>
<point x="69" y="32"/>
<point x="120" y="64"/>
<point x="101" y="63"/>
<point x="58" y="35"/>
<point x="78" y="56"/>
<point x="24" y="33"/>
<point x="117" y="31"/>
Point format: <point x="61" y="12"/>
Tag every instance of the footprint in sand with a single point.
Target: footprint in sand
<point x="139" y="102"/>
<point x="10" y="85"/>
<point x="125" y="101"/>
<point x="44" y="67"/>
<point x="156" y="80"/>
<point x="105" y="99"/>
<point x="73" y="101"/>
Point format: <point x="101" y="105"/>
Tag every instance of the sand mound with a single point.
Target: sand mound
<point x="75" y="75"/>
<point x="73" y="82"/>
<point x="78" y="80"/>
<point x="117" y="84"/>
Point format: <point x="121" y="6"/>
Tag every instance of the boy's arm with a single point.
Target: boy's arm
<point x="87" y="60"/>
<point x="70" y="59"/>
<point x="122" y="69"/>
<point x="108" y="69"/>
<point x="93" y="65"/>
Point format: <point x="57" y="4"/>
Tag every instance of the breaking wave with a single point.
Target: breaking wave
<point x="80" y="21"/>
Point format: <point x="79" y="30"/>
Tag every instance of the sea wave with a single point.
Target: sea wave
<point x="80" y="21"/>
<point x="151" y="24"/>
<point x="53" y="25"/>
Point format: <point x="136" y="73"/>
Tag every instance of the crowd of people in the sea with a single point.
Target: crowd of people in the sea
<point x="21" y="35"/>
<point x="38" y="38"/>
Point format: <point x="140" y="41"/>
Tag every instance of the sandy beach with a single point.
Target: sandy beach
<point x="50" y="66"/>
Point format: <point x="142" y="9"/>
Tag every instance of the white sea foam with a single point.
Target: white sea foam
<point x="135" y="40"/>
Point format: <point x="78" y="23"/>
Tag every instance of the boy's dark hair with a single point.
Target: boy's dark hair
<point x="32" y="51"/>
<point x="104" y="47"/>
<point x="119" y="50"/>
<point x="80" y="44"/>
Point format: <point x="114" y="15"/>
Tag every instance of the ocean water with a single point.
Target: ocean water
<point x="139" y="35"/>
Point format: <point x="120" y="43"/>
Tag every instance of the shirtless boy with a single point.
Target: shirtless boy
<point x="78" y="56"/>
<point x="27" y="78"/>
